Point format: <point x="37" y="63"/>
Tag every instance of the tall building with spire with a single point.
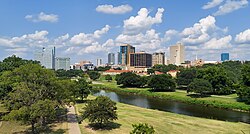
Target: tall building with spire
<point x="177" y="54"/>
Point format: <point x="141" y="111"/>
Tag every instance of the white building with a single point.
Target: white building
<point x="177" y="54"/>
<point x="158" y="59"/>
<point x="111" y="58"/>
<point x="98" y="62"/>
<point x="62" y="63"/>
<point x="46" y="57"/>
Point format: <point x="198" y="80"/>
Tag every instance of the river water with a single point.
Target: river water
<point x="177" y="107"/>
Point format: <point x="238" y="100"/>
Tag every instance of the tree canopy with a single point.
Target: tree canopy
<point x="163" y="82"/>
<point x="93" y="75"/>
<point x="200" y="86"/>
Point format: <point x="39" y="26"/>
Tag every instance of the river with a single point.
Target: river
<point x="177" y="107"/>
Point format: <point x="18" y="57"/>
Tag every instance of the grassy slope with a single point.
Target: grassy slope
<point x="165" y="122"/>
<point x="225" y="101"/>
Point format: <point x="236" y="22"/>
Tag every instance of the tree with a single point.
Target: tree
<point x="34" y="96"/>
<point x="200" y="86"/>
<point x="142" y="129"/>
<point x="108" y="77"/>
<point x="218" y="78"/>
<point x="100" y="111"/>
<point x="244" y="91"/>
<point x="129" y="79"/>
<point x="186" y="76"/>
<point x="83" y="89"/>
<point x="163" y="82"/>
<point x="42" y="112"/>
<point x="164" y="68"/>
<point x="94" y="75"/>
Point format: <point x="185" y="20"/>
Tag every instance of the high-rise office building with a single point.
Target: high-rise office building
<point x="224" y="56"/>
<point x="125" y="51"/>
<point x="62" y="63"/>
<point x="111" y="58"/>
<point x="140" y="60"/>
<point x="98" y="62"/>
<point x="158" y="59"/>
<point x="177" y="54"/>
<point x="46" y="57"/>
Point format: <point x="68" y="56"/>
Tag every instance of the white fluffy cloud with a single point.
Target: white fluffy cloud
<point x="148" y="41"/>
<point x="200" y="32"/>
<point x="243" y="37"/>
<point x="88" y="39"/>
<point x="230" y="6"/>
<point x="142" y="22"/>
<point x="221" y="43"/>
<point x="42" y="17"/>
<point x="212" y="4"/>
<point x="110" y="9"/>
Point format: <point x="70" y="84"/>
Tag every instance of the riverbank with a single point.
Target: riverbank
<point x="224" y="102"/>
<point x="164" y="122"/>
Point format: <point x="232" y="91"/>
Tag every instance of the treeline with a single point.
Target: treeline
<point x="210" y="79"/>
<point x="35" y="95"/>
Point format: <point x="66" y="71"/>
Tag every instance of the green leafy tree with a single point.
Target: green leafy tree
<point x="218" y="78"/>
<point x="163" y="82"/>
<point x="94" y="75"/>
<point x="142" y="129"/>
<point x="200" y="86"/>
<point x="164" y="68"/>
<point x="35" y="91"/>
<point x="42" y="112"/>
<point x="186" y="76"/>
<point x="108" y="77"/>
<point x="83" y="89"/>
<point x="129" y="79"/>
<point x="244" y="91"/>
<point x="100" y="111"/>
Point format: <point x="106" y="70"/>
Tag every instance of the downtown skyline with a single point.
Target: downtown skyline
<point x="85" y="30"/>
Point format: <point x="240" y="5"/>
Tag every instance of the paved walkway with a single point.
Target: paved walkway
<point x="72" y="121"/>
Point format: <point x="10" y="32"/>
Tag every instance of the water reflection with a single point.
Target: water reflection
<point x="177" y="107"/>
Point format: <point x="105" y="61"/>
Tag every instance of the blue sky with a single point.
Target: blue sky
<point x="87" y="30"/>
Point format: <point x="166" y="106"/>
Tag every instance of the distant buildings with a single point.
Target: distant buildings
<point x="83" y="65"/>
<point x="123" y="55"/>
<point x="46" y="57"/>
<point x="158" y="59"/>
<point x="225" y="57"/>
<point x="140" y="60"/>
<point x="111" y="58"/>
<point x="177" y="54"/>
<point x="62" y="63"/>
<point x="98" y="62"/>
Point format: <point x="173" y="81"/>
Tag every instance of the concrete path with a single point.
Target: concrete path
<point x="72" y="121"/>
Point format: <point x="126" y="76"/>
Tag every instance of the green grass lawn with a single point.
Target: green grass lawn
<point x="165" y="122"/>
<point x="221" y="101"/>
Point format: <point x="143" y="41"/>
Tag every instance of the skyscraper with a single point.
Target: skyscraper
<point x="124" y="54"/>
<point x="224" y="56"/>
<point x="158" y="58"/>
<point x="62" y="63"/>
<point x="140" y="60"/>
<point x="98" y="62"/>
<point x="111" y="58"/>
<point x="46" y="57"/>
<point x="177" y="53"/>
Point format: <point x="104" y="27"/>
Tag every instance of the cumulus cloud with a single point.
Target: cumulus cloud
<point x="230" y="6"/>
<point x="110" y="9"/>
<point x="142" y="22"/>
<point x="87" y="39"/>
<point x="221" y="43"/>
<point x="212" y="4"/>
<point x="148" y="41"/>
<point x="42" y="17"/>
<point x="243" y="37"/>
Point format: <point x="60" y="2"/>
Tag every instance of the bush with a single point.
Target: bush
<point x="108" y="77"/>
<point x="142" y="129"/>
<point x="100" y="111"/>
